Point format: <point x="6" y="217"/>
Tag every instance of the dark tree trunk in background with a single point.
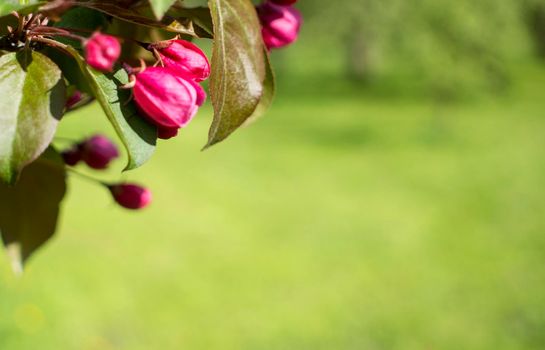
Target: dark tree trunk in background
<point x="357" y="53"/>
<point x="535" y="18"/>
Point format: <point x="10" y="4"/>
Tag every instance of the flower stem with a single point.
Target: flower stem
<point x="65" y="139"/>
<point x="50" y="42"/>
<point x="87" y="177"/>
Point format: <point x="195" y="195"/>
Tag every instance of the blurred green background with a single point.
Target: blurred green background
<point x="393" y="198"/>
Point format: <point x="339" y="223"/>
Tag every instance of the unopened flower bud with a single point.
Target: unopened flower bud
<point x="102" y="51"/>
<point x="167" y="98"/>
<point x="280" y="24"/>
<point x="130" y="196"/>
<point x="167" y="133"/>
<point x="74" y="99"/>
<point x="183" y="56"/>
<point x="98" y="152"/>
<point x="201" y="94"/>
<point x="72" y="156"/>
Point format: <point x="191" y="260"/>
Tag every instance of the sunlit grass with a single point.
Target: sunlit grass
<point x="334" y="223"/>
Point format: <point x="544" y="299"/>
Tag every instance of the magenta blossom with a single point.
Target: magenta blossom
<point x="130" y="196"/>
<point x="102" y="51"/>
<point x="183" y="56"/>
<point x="167" y="98"/>
<point x="280" y="24"/>
<point x="98" y="152"/>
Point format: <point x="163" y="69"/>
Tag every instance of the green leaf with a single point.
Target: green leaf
<point x="143" y="16"/>
<point x="196" y="19"/>
<point x="138" y="136"/>
<point x="269" y="89"/>
<point x="160" y="7"/>
<point x="29" y="210"/>
<point x="32" y="102"/>
<point x="238" y="66"/>
<point x="85" y="19"/>
<point x="8" y="6"/>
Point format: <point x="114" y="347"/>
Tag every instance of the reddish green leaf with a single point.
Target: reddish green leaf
<point x="29" y="210"/>
<point x="269" y="89"/>
<point x="238" y="66"/>
<point x="181" y="23"/>
<point x="8" y="6"/>
<point x="32" y="103"/>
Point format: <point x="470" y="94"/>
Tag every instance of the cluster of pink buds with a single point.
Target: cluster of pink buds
<point x="280" y="23"/>
<point x="169" y="94"/>
<point x="98" y="152"/>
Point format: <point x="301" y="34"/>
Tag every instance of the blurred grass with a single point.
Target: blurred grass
<point x="341" y="220"/>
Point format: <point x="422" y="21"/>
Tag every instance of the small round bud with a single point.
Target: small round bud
<point x="130" y="196"/>
<point x="72" y="156"/>
<point x="98" y="152"/>
<point x="280" y="24"/>
<point x="102" y="51"/>
<point x="74" y="99"/>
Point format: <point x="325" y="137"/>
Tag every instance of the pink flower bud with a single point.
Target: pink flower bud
<point x="284" y="2"/>
<point x="201" y="94"/>
<point x="166" y="97"/>
<point x="280" y="24"/>
<point x="98" y="151"/>
<point x="167" y="133"/>
<point x="131" y="196"/>
<point x="102" y="51"/>
<point x="72" y="156"/>
<point x="74" y="99"/>
<point x="183" y="56"/>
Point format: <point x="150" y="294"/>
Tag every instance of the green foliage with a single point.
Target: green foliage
<point x="138" y="136"/>
<point x="269" y="89"/>
<point x="441" y="47"/>
<point x="179" y="20"/>
<point x="84" y="19"/>
<point x="160" y="7"/>
<point x="8" y="6"/>
<point x="29" y="210"/>
<point x="32" y="103"/>
<point x="340" y="221"/>
<point x="44" y="55"/>
<point x="238" y="66"/>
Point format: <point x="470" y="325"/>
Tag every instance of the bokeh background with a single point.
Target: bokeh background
<point x="393" y="198"/>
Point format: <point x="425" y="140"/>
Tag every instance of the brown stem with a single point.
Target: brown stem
<point x="32" y="20"/>
<point x="19" y="29"/>
<point x="87" y="177"/>
<point x="52" y="31"/>
<point x="50" y="42"/>
<point x="125" y="38"/>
